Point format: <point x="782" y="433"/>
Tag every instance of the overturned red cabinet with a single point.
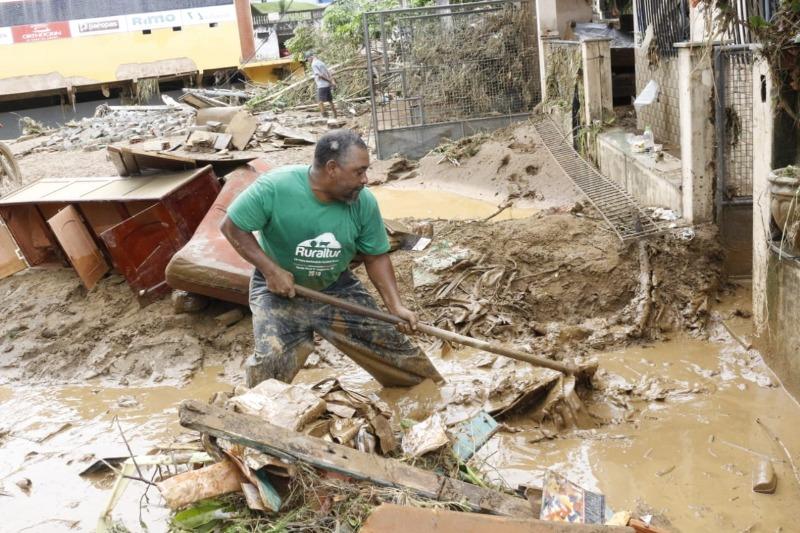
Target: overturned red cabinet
<point x="135" y="224"/>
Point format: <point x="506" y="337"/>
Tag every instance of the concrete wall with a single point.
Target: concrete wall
<point x="96" y="58"/>
<point x="776" y="280"/>
<point x="553" y="19"/>
<point x="650" y="182"/>
<point x="664" y="115"/>
<point x="556" y="15"/>
<point x="783" y="308"/>
<point x="415" y="142"/>
<point x="696" y="92"/>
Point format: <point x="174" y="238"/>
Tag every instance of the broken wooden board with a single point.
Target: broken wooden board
<point x="242" y="128"/>
<point x="156" y="145"/>
<point x="216" y="114"/>
<point x="131" y="159"/>
<point x="390" y="518"/>
<point x="11" y="260"/>
<point x="294" y="135"/>
<point x="199" y="101"/>
<point x="79" y="245"/>
<point x="292" y="446"/>
<point x="195" y="485"/>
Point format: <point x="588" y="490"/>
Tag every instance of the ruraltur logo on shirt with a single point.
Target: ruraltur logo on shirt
<point x="323" y="247"/>
<point x="318" y="256"/>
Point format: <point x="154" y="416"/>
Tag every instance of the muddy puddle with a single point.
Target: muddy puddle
<point x="675" y="436"/>
<point x="402" y="203"/>
<point x="687" y="458"/>
<point x="50" y="434"/>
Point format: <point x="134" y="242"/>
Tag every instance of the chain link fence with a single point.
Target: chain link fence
<point x="452" y="64"/>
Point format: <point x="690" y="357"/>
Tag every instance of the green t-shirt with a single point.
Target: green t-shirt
<point x="313" y="240"/>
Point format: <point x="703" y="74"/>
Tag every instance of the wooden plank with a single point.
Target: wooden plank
<point x="79" y="245"/>
<point x="294" y="135"/>
<point x="289" y="445"/>
<point x="115" y="156"/>
<point x="129" y="160"/>
<point x="389" y="518"/>
<point x="242" y="127"/>
<point x="11" y="260"/>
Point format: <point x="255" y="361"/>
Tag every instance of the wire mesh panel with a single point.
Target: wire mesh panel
<point x="438" y="65"/>
<point x="564" y="61"/>
<point x="734" y="119"/>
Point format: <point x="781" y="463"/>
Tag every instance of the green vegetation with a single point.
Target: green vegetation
<point x="283" y="6"/>
<point x="779" y="38"/>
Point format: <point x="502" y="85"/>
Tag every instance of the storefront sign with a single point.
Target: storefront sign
<point x="40" y="32"/>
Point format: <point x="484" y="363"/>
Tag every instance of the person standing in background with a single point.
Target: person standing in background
<point x="325" y="83"/>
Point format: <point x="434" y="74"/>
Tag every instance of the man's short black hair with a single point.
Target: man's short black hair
<point x="335" y="145"/>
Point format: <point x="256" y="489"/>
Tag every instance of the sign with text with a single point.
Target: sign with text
<point x="5" y="36"/>
<point x="154" y="20"/>
<point x="29" y="33"/>
<point x="98" y="26"/>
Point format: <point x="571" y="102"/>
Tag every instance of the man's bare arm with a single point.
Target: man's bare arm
<point x="381" y="273"/>
<point x="279" y="281"/>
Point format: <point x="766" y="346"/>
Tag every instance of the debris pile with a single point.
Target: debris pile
<point x="517" y="280"/>
<point x="464" y="148"/>
<point x="351" y="87"/>
<point x="110" y="125"/>
<point x="326" y="410"/>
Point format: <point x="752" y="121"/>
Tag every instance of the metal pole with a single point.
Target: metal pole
<point x="719" y="67"/>
<point x="383" y="43"/>
<point x="371" y="85"/>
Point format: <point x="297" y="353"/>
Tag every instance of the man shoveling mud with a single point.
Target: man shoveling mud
<point x="312" y="221"/>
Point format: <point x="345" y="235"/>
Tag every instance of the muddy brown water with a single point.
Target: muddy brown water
<point x="56" y="432"/>
<point x="687" y="459"/>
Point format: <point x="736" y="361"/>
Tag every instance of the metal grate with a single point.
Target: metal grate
<point x="734" y="122"/>
<point x="744" y="11"/>
<point x="458" y="62"/>
<point x="622" y="213"/>
<point x="670" y="21"/>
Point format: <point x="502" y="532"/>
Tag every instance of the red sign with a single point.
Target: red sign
<point x="40" y="32"/>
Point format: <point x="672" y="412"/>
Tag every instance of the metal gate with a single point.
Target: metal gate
<point x="733" y="67"/>
<point x="450" y="71"/>
<point x="734" y="123"/>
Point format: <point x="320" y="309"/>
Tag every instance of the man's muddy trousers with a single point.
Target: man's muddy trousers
<point x="284" y="336"/>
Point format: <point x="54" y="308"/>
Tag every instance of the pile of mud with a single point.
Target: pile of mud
<point x="556" y="284"/>
<point x="55" y="331"/>
<point x="560" y="282"/>
<point x="511" y="164"/>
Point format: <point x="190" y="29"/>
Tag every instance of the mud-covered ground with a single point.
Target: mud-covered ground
<point x="556" y="283"/>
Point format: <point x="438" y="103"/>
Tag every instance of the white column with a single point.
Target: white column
<point x="597" y="89"/>
<point x="695" y="92"/>
<point x="763" y="126"/>
<point x="547" y="22"/>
